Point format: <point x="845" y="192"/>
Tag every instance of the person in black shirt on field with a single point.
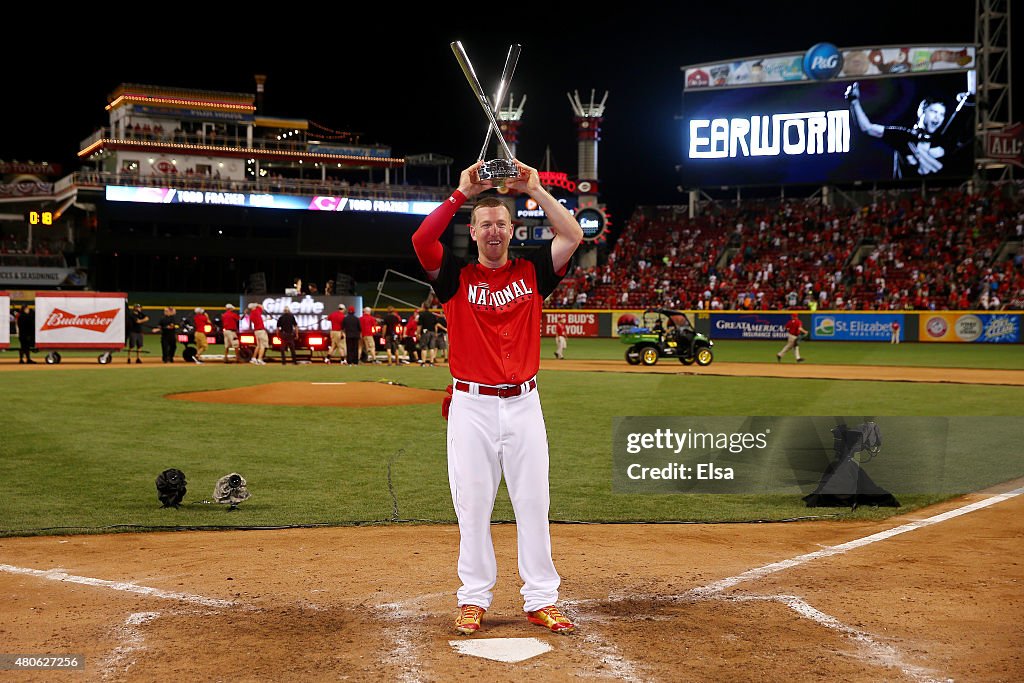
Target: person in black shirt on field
<point x="136" y="318"/>
<point x="167" y="326"/>
<point x="391" y="325"/>
<point x="288" y="328"/>
<point x="428" y="336"/>
<point x="26" y="334"/>
<point x="350" y="326"/>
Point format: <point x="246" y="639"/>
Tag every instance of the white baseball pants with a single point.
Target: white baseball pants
<point x="488" y="435"/>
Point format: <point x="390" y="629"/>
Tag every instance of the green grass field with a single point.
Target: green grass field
<point x="80" y="448"/>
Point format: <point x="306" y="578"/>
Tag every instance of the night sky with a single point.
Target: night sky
<point x="393" y="78"/>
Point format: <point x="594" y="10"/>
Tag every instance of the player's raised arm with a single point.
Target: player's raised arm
<point x="426" y="241"/>
<point x="568" y="232"/>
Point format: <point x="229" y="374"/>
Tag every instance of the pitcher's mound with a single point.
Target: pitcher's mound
<point x="343" y="394"/>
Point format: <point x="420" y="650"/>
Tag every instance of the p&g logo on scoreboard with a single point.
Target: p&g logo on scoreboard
<point x="823" y="62"/>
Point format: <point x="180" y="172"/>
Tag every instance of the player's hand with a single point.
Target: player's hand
<point x="853" y="92"/>
<point x="527" y="181"/>
<point x="470" y="184"/>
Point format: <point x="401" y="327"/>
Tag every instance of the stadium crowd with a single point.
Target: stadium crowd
<point x="948" y="250"/>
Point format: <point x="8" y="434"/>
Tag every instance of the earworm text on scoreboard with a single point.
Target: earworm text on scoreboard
<point x="816" y="132"/>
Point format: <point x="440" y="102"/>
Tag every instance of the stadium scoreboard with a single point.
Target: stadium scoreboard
<point x="792" y="119"/>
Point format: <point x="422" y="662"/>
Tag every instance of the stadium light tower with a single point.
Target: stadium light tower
<point x="995" y="96"/>
<point x="592" y="216"/>
<point x="588" y="132"/>
<point x="510" y="117"/>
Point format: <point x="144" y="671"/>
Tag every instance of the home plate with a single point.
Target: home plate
<point x="501" y="649"/>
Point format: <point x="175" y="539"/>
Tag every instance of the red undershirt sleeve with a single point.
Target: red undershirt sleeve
<point x="427" y="238"/>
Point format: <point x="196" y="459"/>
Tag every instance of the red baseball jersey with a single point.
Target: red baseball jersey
<point x="560" y="329"/>
<point x="793" y="326"/>
<point x="494" y="315"/>
<point x="201" y="320"/>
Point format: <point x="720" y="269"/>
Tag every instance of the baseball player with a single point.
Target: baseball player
<point x="794" y="329"/>
<point x="495" y="423"/>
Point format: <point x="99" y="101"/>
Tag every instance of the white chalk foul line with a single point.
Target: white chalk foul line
<point x="760" y="572"/>
<point x="127" y="586"/>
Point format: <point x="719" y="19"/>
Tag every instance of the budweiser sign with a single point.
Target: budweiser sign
<point x="97" y="322"/>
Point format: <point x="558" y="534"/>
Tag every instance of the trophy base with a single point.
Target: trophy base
<point x="498" y="170"/>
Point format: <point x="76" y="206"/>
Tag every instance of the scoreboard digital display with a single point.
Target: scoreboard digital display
<point x="908" y="128"/>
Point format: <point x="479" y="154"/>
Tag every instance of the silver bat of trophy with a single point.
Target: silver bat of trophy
<point x="501" y="168"/>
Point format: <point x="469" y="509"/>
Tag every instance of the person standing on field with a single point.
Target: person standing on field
<point x="200" y="321"/>
<point x="353" y="339"/>
<point x="495" y="421"/>
<point x="337" y="318"/>
<point x="560" y="340"/>
<point x="368" y="330"/>
<point x="136" y="319"/>
<point x="259" y="331"/>
<point x="794" y="331"/>
<point x="229" y="325"/>
<point x="167" y="326"/>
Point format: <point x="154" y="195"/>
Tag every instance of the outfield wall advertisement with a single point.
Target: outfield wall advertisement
<point x="960" y="326"/>
<point x="856" y="326"/>
<point x="577" y="323"/>
<point x="989" y="328"/>
<point x="749" y="325"/>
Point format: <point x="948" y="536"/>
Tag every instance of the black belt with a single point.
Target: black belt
<point x="500" y="392"/>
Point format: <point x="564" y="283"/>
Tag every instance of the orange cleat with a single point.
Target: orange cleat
<point x="551" y="619"/>
<point x="469" y="619"/>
